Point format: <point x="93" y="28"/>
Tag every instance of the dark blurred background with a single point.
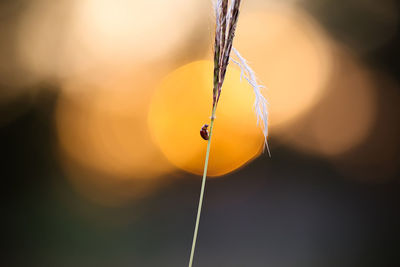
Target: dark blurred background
<point x="89" y="179"/>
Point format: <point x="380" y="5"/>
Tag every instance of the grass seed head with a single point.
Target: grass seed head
<point x="227" y="14"/>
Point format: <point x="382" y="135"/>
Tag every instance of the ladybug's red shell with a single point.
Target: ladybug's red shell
<point x="204" y="132"/>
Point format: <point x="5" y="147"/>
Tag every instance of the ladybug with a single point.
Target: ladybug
<point x="204" y="132"/>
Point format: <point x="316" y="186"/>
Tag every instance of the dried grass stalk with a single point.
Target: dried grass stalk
<point x="227" y="14"/>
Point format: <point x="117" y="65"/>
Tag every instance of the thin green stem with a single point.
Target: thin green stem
<point x="203" y="186"/>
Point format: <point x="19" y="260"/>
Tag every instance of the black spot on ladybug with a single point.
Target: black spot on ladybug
<point x="204" y="132"/>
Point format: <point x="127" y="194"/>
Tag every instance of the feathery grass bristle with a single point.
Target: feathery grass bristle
<point x="226" y="21"/>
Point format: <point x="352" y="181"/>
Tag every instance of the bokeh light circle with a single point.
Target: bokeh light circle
<point x="60" y="39"/>
<point x="290" y="54"/>
<point x="105" y="129"/>
<point x="182" y="104"/>
<point x="344" y="117"/>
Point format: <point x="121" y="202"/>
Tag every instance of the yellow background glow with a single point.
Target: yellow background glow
<point x="104" y="128"/>
<point x="182" y="104"/>
<point x="344" y="117"/>
<point x="291" y="56"/>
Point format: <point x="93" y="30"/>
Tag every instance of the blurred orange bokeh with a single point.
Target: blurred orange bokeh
<point x="104" y="139"/>
<point x="105" y="128"/>
<point x="182" y="104"/>
<point x="107" y="58"/>
<point x="291" y="56"/>
<point x="345" y="115"/>
<point x="63" y="39"/>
